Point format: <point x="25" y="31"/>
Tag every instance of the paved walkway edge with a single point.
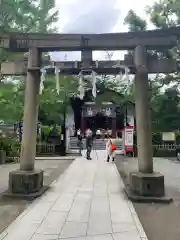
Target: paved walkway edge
<point x="134" y="214"/>
<point x="57" y="158"/>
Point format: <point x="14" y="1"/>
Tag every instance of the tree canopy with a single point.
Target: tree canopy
<point x="164" y="88"/>
<point x="40" y="16"/>
<point x="26" y="16"/>
<point x="51" y="104"/>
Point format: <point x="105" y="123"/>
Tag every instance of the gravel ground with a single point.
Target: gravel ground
<point x="160" y="221"/>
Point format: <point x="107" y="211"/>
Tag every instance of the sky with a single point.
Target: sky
<point x="95" y="16"/>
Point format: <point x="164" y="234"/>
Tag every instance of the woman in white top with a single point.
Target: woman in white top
<point x="111" y="150"/>
<point x="98" y="134"/>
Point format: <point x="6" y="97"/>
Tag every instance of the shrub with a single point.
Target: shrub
<point x="10" y="146"/>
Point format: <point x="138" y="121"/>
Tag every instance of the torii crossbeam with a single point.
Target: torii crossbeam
<point x="153" y="39"/>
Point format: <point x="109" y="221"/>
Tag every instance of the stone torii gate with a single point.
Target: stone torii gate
<point x="145" y="182"/>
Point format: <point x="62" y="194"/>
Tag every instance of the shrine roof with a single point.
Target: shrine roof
<point x="109" y="99"/>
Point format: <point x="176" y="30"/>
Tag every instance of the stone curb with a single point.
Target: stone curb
<point x="28" y="197"/>
<point x="145" y="199"/>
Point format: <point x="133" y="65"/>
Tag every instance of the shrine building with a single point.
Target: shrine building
<point x="113" y="115"/>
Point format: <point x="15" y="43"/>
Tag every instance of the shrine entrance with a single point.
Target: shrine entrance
<point x="99" y="121"/>
<point x="101" y="117"/>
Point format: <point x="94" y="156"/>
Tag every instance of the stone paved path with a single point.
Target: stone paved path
<point x="86" y="203"/>
<point x="11" y="208"/>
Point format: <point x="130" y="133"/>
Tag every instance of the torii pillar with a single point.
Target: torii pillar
<point x="86" y="59"/>
<point x="145" y="182"/>
<point x="27" y="181"/>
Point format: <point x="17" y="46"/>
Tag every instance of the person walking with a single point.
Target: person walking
<point x="111" y="150"/>
<point x="89" y="143"/>
<point x="80" y="143"/>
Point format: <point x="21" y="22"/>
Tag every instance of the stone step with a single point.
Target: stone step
<point x="99" y="144"/>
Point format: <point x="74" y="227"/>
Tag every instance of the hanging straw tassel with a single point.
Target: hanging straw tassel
<point x="94" y="91"/>
<point x="81" y="87"/>
<point x="43" y="77"/>
<point x="127" y="79"/>
<point x="57" y="71"/>
<point x="126" y="75"/>
<point x="97" y="64"/>
<point x="119" y="77"/>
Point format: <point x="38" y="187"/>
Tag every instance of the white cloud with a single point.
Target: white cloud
<point x="94" y="16"/>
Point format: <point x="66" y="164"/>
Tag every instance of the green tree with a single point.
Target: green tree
<point x="165" y="115"/>
<point x="165" y="111"/>
<point x="164" y="13"/>
<point x="47" y="17"/>
<point x="51" y="104"/>
<point x="134" y="22"/>
<point x="11" y="101"/>
<point x="26" y="16"/>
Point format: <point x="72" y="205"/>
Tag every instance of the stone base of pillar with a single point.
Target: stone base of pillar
<point x="26" y="184"/>
<point x="147" y="187"/>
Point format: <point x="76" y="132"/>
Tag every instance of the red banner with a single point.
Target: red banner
<point x="129" y="139"/>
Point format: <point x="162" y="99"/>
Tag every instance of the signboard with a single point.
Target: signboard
<point x="93" y="111"/>
<point x="168" y="136"/>
<point x="66" y="43"/>
<point x="129" y="139"/>
<point x="4" y="43"/>
<point x="13" y="68"/>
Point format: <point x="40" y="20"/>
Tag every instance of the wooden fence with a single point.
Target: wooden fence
<point x="45" y="148"/>
<point x="166" y="146"/>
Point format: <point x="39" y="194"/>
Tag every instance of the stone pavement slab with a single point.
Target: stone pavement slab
<point x="86" y="203"/>
<point x="160" y="221"/>
<point x="11" y="208"/>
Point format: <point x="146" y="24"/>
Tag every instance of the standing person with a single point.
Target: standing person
<point x="111" y="150"/>
<point x="78" y="132"/>
<point x="98" y="134"/>
<point x="109" y="133"/>
<point x="80" y="144"/>
<point x="89" y="143"/>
